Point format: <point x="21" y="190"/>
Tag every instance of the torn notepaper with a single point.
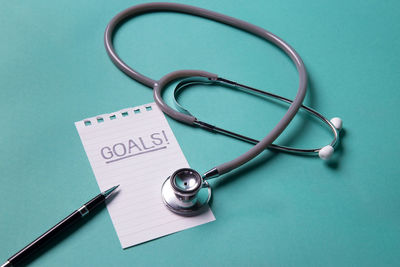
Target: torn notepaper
<point x="136" y="149"/>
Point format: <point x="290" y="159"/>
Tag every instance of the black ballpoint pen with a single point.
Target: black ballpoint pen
<point x="74" y="217"/>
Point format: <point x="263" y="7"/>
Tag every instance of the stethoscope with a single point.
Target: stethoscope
<point x="186" y="192"/>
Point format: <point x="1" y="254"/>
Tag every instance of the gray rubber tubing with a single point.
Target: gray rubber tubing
<point x="180" y="74"/>
<point x="174" y="7"/>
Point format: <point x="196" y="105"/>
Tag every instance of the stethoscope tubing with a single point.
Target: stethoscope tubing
<point x="158" y="86"/>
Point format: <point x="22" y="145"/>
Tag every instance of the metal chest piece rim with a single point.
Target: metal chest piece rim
<point x="186" y="193"/>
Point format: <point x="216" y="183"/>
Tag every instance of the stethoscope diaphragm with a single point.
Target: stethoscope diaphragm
<point x="185" y="192"/>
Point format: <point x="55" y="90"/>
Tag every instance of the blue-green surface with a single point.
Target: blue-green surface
<point x="280" y="210"/>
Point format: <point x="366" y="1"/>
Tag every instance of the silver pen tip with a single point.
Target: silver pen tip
<point x="108" y="192"/>
<point x="7" y="264"/>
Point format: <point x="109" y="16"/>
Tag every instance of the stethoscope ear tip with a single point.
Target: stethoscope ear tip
<point x="337" y="122"/>
<point x="326" y="152"/>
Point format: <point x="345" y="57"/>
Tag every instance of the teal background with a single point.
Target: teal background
<point x="279" y="210"/>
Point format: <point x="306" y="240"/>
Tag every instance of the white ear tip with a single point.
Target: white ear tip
<point x="326" y="152"/>
<point x="337" y="122"/>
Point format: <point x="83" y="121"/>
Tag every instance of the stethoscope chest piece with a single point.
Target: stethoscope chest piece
<point x="185" y="192"/>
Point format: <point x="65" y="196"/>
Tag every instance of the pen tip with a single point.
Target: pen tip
<point x="108" y="192"/>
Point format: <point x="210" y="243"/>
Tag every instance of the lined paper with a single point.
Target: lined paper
<point x="136" y="149"/>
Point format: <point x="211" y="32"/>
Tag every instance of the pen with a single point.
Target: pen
<point x="74" y="217"/>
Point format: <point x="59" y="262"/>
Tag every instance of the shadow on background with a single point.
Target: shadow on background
<point x="339" y="152"/>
